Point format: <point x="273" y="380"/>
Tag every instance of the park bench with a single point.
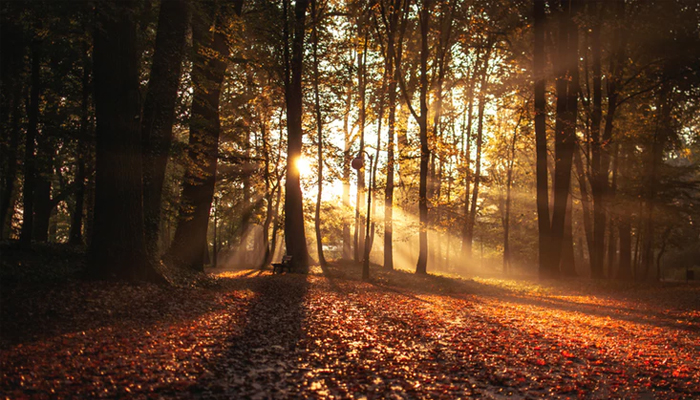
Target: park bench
<point x="280" y="266"/>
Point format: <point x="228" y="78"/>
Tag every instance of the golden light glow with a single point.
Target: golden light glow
<point x="303" y="166"/>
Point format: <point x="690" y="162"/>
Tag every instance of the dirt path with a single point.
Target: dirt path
<point x="328" y="335"/>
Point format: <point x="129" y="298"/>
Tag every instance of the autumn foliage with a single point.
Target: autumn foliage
<point x="250" y="334"/>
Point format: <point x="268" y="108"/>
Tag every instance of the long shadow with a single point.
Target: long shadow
<point x="35" y="311"/>
<point x="541" y="353"/>
<point x="409" y="284"/>
<point x="262" y="356"/>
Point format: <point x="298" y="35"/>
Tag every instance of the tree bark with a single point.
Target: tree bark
<point x="30" y="146"/>
<point x="75" y="236"/>
<point x="539" y="61"/>
<point x="294" y="232"/>
<point x="209" y="68"/>
<point x="319" y="133"/>
<point x="422" y="264"/>
<point x="117" y="248"/>
<point x="159" y="109"/>
<point x="11" y="70"/>
<point x="471" y="217"/>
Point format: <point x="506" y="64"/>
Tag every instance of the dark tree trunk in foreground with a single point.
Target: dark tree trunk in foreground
<point x="11" y="71"/>
<point x="29" y="147"/>
<point x="294" y="232"/>
<point x="159" y="109"/>
<point x="118" y="248"/>
<point x="209" y="67"/>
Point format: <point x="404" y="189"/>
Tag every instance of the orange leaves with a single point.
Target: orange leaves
<point x="293" y="336"/>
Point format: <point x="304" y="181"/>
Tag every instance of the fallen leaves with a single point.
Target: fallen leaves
<point x="332" y="336"/>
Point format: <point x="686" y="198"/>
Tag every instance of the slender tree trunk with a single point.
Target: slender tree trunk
<point x="159" y="109"/>
<point x="347" y="159"/>
<point x="394" y="52"/>
<point x="466" y="242"/>
<point x="422" y="264"/>
<point x="75" y="235"/>
<point x="585" y="200"/>
<point x="117" y="247"/>
<point x="319" y="133"/>
<point x="509" y="184"/>
<point x="294" y="232"/>
<point x="471" y="218"/>
<point x="359" y="198"/>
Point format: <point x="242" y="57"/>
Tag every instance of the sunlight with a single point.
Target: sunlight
<point x="303" y="166"/>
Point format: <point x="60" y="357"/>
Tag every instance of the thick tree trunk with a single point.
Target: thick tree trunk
<point x="209" y="67"/>
<point x="117" y="248"/>
<point x="30" y="146"/>
<point x="294" y="232"/>
<point x="11" y="69"/>
<point x="543" y="219"/>
<point x="159" y="109"/>
<point x="565" y="128"/>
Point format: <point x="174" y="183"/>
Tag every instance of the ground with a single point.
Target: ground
<point x="251" y="334"/>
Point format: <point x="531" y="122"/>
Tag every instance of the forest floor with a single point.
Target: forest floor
<point x="251" y="334"/>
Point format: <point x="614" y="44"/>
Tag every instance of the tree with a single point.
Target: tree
<point x="118" y="248"/>
<point x="294" y="232"/>
<point x="209" y="67"/>
<point x="159" y="109"/>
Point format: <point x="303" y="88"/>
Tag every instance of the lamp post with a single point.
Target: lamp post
<point x="357" y="163"/>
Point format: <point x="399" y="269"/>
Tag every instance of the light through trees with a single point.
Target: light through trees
<point x="558" y="137"/>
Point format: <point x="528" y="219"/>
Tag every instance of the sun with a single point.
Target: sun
<point x="303" y="166"/>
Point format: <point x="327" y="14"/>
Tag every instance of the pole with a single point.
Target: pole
<point x="368" y="245"/>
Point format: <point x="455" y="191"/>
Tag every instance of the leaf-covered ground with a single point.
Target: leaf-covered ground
<point x="254" y="335"/>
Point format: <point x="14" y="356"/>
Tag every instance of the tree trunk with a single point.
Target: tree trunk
<point x="117" y="248"/>
<point x="422" y="264"/>
<point x="30" y="145"/>
<point x="585" y="200"/>
<point x="75" y="236"/>
<point x="11" y="69"/>
<point x="159" y="109"/>
<point x="599" y="174"/>
<point x="539" y="61"/>
<point x="209" y="67"/>
<point x="294" y="232"/>
<point x="565" y="128"/>
<point x="471" y="217"/>
<point x="319" y="133"/>
<point x="359" y="240"/>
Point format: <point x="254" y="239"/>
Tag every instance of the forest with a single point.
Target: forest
<point x="527" y="160"/>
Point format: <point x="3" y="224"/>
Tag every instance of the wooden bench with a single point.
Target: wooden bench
<point x="279" y="267"/>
